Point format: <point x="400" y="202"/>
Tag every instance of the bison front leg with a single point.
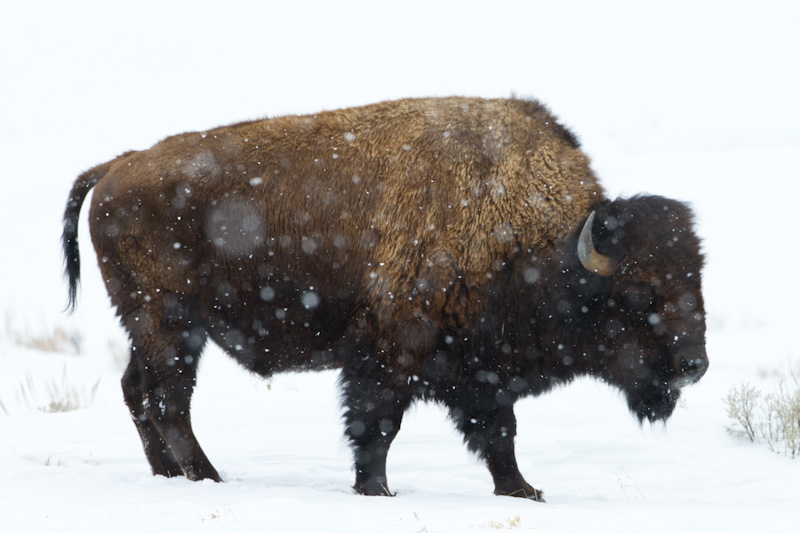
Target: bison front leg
<point x="374" y="409"/>
<point x="490" y="432"/>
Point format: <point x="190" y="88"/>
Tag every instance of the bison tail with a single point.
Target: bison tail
<point x="69" y="238"/>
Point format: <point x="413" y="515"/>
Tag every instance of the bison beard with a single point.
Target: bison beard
<point x="452" y="250"/>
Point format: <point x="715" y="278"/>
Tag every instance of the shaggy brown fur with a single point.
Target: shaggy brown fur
<point x="426" y="247"/>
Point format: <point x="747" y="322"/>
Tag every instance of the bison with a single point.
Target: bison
<point x="455" y="250"/>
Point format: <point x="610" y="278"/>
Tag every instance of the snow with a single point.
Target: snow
<point x="692" y="100"/>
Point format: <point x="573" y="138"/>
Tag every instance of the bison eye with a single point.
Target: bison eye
<point x="638" y="297"/>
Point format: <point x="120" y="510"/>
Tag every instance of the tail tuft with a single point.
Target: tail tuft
<point x="69" y="237"/>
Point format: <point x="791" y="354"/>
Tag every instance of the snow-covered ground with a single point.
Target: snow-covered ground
<point x="695" y="100"/>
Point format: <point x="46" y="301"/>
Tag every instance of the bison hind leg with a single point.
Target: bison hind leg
<point x="158" y="454"/>
<point x="167" y="341"/>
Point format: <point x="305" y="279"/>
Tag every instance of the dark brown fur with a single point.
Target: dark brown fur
<point x="425" y="247"/>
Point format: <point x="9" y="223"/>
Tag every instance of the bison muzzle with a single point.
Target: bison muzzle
<point x="456" y="250"/>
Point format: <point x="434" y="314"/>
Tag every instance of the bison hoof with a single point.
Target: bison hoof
<point x="373" y="489"/>
<point x="195" y="474"/>
<point x="168" y="472"/>
<point x="527" y="493"/>
<point x="537" y="496"/>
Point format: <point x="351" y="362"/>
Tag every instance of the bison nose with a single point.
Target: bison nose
<point x="690" y="364"/>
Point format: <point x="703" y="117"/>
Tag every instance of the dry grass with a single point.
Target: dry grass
<point x="50" y="462"/>
<point x="60" y="395"/>
<point x="773" y="418"/>
<point x="510" y="523"/>
<point x="56" y="339"/>
<point x="55" y="394"/>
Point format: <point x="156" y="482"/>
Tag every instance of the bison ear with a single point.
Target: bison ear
<point x="590" y="258"/>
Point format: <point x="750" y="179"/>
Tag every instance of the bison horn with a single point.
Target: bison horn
<point x="591" y="259"/>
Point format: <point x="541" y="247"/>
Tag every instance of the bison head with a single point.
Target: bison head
<point x="643" y="298"/>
